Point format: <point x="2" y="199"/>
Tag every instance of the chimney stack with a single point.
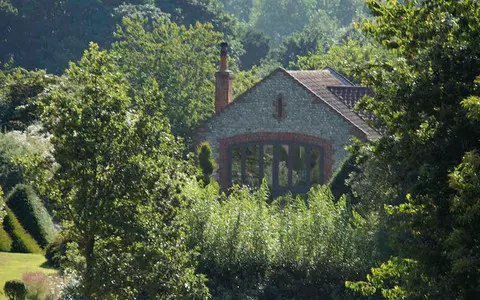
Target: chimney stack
<point x="223" y="81"/>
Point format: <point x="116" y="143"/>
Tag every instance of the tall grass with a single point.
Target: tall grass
<point x="291" y="248"/>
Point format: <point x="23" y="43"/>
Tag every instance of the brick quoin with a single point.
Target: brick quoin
<point x="226" y="143"/>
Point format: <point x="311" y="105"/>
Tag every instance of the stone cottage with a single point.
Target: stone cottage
<point x="291" y="128"/>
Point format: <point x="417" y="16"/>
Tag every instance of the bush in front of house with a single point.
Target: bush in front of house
<point x="22" y="242"/>
<point x="322" y="243"/>
<point x="32" y="214"/>
<point x="291" y="248"/>
<point x="205" y="161"/>
<point x="235" y="236"/>
<point x="338" y="182"/>
<point x="15" y="290"/>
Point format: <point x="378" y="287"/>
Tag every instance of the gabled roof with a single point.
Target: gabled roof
<point x="331" y="88"/>
<point x="337" y="92"/>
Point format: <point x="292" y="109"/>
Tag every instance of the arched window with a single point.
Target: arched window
<point x="286" y="166"/>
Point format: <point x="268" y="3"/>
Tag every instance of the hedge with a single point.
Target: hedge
<point x="32" y="214"/>
<point x="21" y="241"/>
<point x="5" y="240"/>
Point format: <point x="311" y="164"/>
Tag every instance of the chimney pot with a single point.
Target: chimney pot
<point x="223" y="56"/>
<point x="223" y="81"/>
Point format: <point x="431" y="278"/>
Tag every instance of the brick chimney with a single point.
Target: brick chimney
<point x="223" y="81"/>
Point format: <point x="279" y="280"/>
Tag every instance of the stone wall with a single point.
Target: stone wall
<point x="254" y="113"/>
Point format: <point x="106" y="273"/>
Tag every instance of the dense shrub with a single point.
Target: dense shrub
<point x="21" y="241"/>
<point x="205" y="161"/>
<point x="292" y="248"/>
<point x="32" y="214"/>
<point x="15" y="290"/>
<point x="236" y="239"/>
<point x="322" y="243"/>
<point x="338" y="183"/>
<point x="56" y="250"/>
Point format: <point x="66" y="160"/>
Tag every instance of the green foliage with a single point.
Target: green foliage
<point x="425" y="102"/>
<point x="15" y="290"/>
<point x="287" y="249"/>
<point x="189" y="12"/>
<point x="7" y="7"/>
<point x="55" y="253"/>
<point x="116" y="185"/>
<point x="5" y="240"/>
<point x="319" y="34"/>
<point x="395" y="279"/>
<point x="278" y="19"/>
<point x="463" y="239"/>
<point x="361" y="56"/>
<point x="16" y="144"/>
<point x="32" y="214"/>
<point x="205" y="161"/>
<point x="338" y="182"/>
<point x="19" y="91"/>
<point x="256" y="45"/>
<point x="47" y="34"/>
<point x="158" y="53"/>
<point x="149" y="11"/>
<point x="242" y="9"/>
<point x="22" y="242"/>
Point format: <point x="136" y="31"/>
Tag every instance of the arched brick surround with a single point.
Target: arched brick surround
<point x="225" y="143"/>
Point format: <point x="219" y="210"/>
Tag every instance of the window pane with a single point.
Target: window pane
<point x="283" y="165"/>
<point x="299" y="171"/>
<point x="236" y="165"/>
<point x="315" y="167"/>
<point x="268" y="163"/>
<point x="252" y="167"/>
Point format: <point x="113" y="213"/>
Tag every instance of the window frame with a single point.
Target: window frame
<point x="276" y="189"/>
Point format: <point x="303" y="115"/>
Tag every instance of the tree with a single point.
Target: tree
<point x="427" y="133"/>
<point x="47" y="34"/>
<point x="361" y="55"/>
<point x="116" y="184"/>
<point x="318" y="35"/>
<point x="345" y="11"/>
<point x="240" y="8"/>
<point x="19" y="92"/>
<point x="282" y="18"/>
<point x="255" y="44"/>
<point x="181" y="59"/>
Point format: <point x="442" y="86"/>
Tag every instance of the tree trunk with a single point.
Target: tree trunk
<point x="89" y="277"/>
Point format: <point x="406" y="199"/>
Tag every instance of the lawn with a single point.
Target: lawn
<point x="13" y="265"/>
